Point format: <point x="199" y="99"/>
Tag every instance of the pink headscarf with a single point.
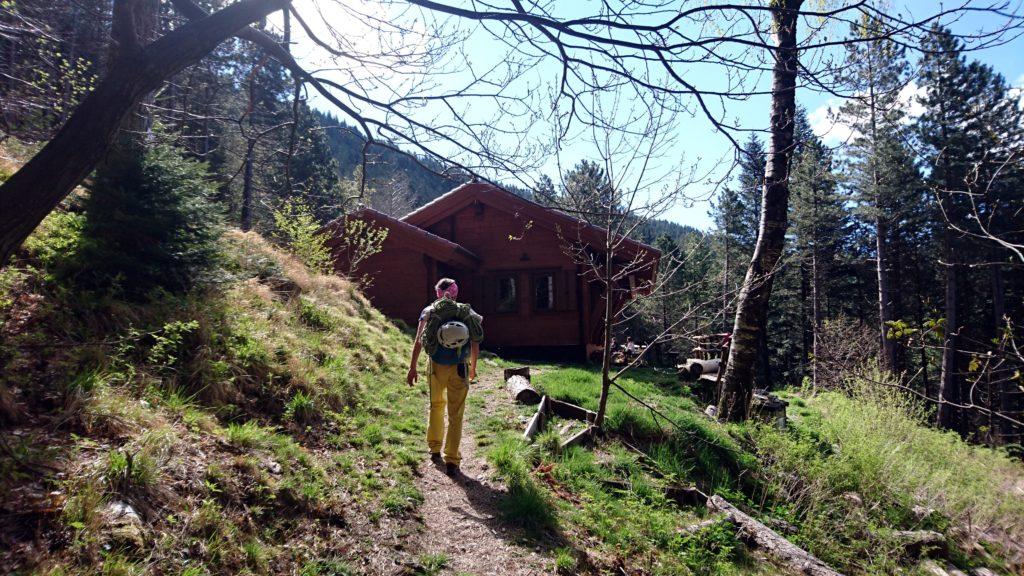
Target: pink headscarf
<point x="449" y="292"/>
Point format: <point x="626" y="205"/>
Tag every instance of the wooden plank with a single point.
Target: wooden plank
<point x="537" y="423"/>
<point x="572" y="411"/>
<point x="579" y="437"/>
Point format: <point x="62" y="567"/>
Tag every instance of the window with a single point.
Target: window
<point x="544" y="292"/>
<point x="506" y="297"/>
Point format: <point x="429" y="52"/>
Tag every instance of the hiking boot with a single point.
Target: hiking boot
<point x="452" y="469"/>
<point x="435" y="457"/>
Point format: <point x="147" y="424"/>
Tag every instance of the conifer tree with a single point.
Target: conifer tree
<point x="820" y="223"/>
<point x="878" y="71"/>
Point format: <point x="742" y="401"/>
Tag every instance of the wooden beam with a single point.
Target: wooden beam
<point x="539" y="420"/>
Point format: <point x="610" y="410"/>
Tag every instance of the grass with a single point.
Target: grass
<point x="432" y="564"/>
<point x="274" y="396"/>
<point x="855" y="467"/>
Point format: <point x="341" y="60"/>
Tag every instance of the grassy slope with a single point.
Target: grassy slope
<point x="847" y="474"/>
<point x="261" y="427"/>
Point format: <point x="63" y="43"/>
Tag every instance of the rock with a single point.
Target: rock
<point x="922" y="542"/>
<point x="853" y="498"/>
<point x="711" y="411"/>
<point x="930" y="567"/>
<point x="982" y="572"/>
<point x="123" y="526"/>
<point x="273" y="467"/>
<point x="921" y="512"/>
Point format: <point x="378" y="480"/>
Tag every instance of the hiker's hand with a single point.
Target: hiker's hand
<point x="411" y="377"/>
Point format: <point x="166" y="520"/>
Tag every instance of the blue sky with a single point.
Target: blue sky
<point x="693" y="141"/>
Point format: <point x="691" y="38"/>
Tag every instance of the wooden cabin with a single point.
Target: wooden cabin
<point x="513" y="260"/>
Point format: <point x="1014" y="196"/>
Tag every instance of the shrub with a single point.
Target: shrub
<point x="57" y="236"/>
<point x="148" y="223"/>
<point x="298" y="228"/>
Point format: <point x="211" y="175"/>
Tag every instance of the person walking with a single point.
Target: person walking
<point x="451" y="333"/>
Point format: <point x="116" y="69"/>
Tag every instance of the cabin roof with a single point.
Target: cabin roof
<point x="414" y="237"/>
<point x="491" y="195"/>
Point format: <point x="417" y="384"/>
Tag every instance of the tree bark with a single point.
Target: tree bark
<point x="816" y="314"/>
<point x="39" y="186"/>
<point x="750" y="326"/>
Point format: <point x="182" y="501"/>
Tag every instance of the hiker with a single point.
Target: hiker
<point x="451" y="334"/>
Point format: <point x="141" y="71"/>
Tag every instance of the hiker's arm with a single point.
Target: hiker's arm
<point x="416" y="347"/>
<point x="474" y="353"/>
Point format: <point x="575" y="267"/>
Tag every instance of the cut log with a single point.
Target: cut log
<point x="521" y="391"/>
<point x="523" y="371"/>
<point x="698" y="367"/>
<point x="539" y="420"/>
<point x="572" y="411"/>
<point x="756" y="534"/>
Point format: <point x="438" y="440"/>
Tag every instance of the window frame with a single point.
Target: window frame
<point x="514" y="302"/>
<point x="535" y="280"/>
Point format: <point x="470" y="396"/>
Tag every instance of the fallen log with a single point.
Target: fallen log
<point x="539" y="420"/>
<point x="523" y="371"/>
<point x="756" y="534"/>
<point x="922" y="542"/>
<point x="520" y="390"/>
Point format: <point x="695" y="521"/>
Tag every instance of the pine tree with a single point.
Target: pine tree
<point x="820" y="224"/>
<point x="149" y="224"/>
<point x="877" y="69"/>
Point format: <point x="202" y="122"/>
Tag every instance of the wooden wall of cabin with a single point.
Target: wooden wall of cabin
<point x="511" y="248"/>
<point x="402" y="280"/>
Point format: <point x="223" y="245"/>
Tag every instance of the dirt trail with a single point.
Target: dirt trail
<point x="462" y="517"/>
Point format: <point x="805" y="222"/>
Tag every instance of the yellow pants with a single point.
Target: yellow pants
<point x="446" y="382"/>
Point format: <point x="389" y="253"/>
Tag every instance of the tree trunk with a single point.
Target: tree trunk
<point x="885" y="294"/>
<point x="606" y="356"/>
<point x="725" y="286"/>
<point x="39" y="186"/>
<point x="250" y="159"/>
<point x="887" y="359"/>
<point x="949" y="417"/>
<point x="816" y="315"/>
<point x="750" y="326"/>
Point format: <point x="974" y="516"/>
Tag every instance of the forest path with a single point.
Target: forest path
<point x="461" y="515"/>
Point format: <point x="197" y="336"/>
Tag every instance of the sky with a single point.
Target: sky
<point x="693" y="143"/>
